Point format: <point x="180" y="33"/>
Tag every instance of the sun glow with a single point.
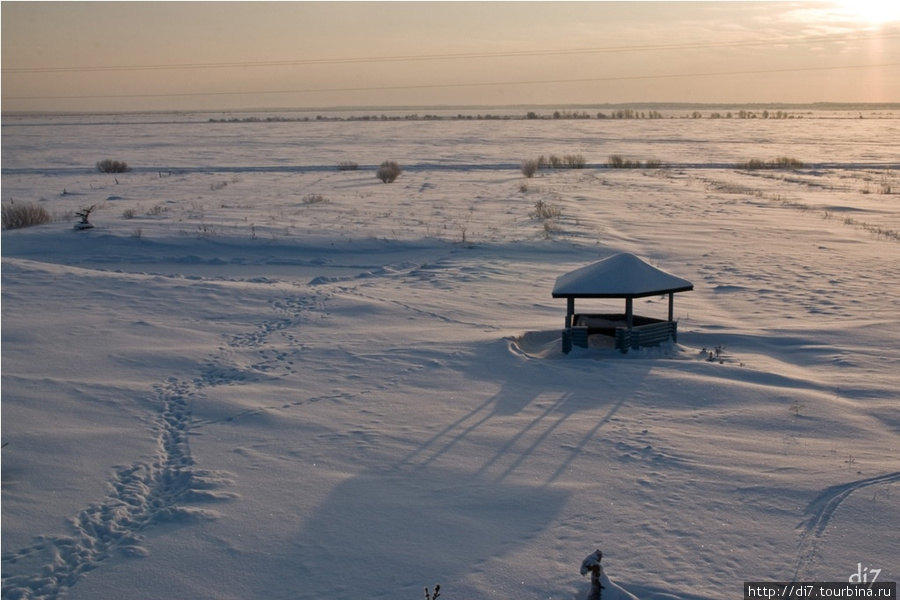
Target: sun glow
<point x="874" y="12"/>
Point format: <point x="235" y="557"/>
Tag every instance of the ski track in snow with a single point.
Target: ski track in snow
<point x="164" y="489"/>
<point x="819" y="513"/>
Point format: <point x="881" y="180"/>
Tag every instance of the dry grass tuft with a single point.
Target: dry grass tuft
<point x="16" y="215"/>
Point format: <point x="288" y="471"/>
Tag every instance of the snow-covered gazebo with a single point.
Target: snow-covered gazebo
<point x="619" y="276"/>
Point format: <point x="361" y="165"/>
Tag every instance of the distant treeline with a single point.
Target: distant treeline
<point x="622" y="113"/>
<point x="411" y="117"/>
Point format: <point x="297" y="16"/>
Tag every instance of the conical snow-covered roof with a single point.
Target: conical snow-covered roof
<point x="619" y="276"/>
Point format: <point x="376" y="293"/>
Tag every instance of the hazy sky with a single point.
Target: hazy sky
<point x="220" y="55"/>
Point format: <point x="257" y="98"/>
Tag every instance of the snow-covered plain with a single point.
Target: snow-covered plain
<point x="260" y="376"/>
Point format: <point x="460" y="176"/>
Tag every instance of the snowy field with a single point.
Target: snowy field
<point x="262" y="377"/>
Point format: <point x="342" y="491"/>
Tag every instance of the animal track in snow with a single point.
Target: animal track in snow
<point x="141" y="495"/>
<point x="271" y="361"/>
<point x="162" y="488"/>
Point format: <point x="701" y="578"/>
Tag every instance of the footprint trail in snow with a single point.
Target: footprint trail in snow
<point x="169" y="487"/>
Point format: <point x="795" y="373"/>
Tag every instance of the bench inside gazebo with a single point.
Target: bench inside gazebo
<point x="625" y="276"/>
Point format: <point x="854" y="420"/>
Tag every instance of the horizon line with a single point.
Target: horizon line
<point x="836" y="105"/>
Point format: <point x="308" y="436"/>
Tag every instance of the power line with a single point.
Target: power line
<point x="458" y="56"/>
<point x="454" y="85"/>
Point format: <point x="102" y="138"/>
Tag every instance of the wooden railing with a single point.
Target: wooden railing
<point x="644" y="333"/>
<point x="645" y="336"/>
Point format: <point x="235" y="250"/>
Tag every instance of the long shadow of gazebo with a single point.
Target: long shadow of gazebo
<point x="625" y="276"/>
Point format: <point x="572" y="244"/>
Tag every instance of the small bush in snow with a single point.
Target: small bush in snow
<point x="112" y="166"/>
<point x="617" y="161"/>
<point x="388" y="171"/>
<point x="782" y="162"/>
<point x="314" y="199"/>
<point x="787" y="162"/>
<point x="544" y="211"/>
<point x="347" y="165"/>
<point x="530" y="167"/>
<point x="754" y="163"/>
<point x="574" y="161"/>
<point x="16" y="215"/>
<point x="84" y="214"/>
<point x="567" y="161"/>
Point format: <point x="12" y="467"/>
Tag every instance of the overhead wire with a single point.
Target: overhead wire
<point x="453" y="85"/>
<point x="455" y="56"/>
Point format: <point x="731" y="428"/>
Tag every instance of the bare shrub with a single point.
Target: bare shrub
<point x="530" y="167"/>
<point x="84" y="214"/>
<point x="753" y="163"/>
<point x="566" y="161"/>
<point x="781" y="162"/>
<point x="347" y="165"/>
<point x="128" y="213"/>
<point x="551" y="227"/>
<point x="787" y="162"/>
<point x="388" y="171"/>
<point x="112" y="166"/>
<point x="314" y="199"/>
<point x="544" y="211"/>
<point x="617" y="161"/>
<point x="573" y="161"/>
<point x="16" y="215"/>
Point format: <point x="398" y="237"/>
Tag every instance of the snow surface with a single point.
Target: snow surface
<point x="229" y="389"/>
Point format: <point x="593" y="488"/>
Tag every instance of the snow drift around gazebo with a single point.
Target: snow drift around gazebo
<point x="625" y="276"/>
